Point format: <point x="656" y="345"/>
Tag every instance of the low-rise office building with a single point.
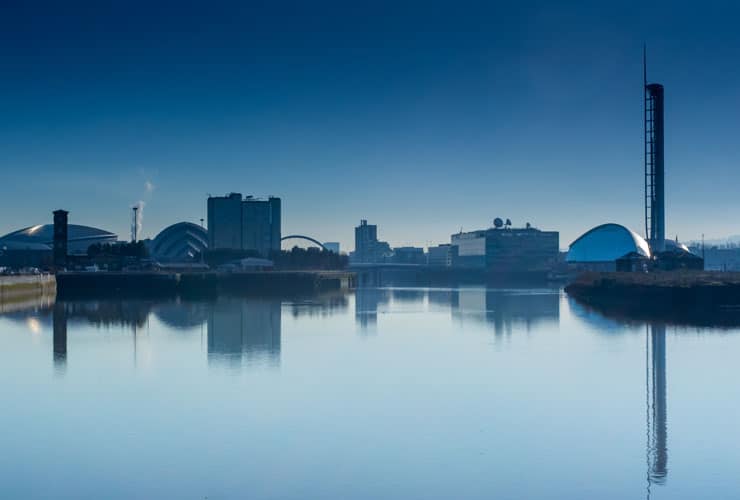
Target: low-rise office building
<point x="440" y="256"/>
<point x="409" y="255"/>
<point x="506" y="249"/>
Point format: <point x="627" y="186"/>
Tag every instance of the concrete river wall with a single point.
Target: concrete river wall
<point x="17" y="291"/>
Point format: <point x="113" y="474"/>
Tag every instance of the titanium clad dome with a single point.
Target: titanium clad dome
<point x="607" y="243"/>
<point x="79" y="238"/>
<point x="180" y="242"/>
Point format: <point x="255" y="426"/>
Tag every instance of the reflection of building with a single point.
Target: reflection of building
<point x="245" y="328"/>
<point x="244" y="224"/>
<point x="505" y="249"/>
<point x="322" y="305"/>
<point x="657" y="414"/>
<point x="367" y="301"/>
<point x="504" y="309"/>
<point x="367" y="247"/>
<point x="442" y="298"/>
<point x="409" y="295"/>
<point x="182" y="314"/>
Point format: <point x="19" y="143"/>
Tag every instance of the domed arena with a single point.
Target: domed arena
<point x="181" y="242"/>
<point x="41" y="237"/>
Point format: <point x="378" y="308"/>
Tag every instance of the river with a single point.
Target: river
<point x="392" y="393"/>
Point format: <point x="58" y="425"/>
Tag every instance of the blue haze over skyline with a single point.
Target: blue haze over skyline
<point x="420" y="117"/>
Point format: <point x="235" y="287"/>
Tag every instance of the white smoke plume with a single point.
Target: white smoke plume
<point x="149" y="187"/>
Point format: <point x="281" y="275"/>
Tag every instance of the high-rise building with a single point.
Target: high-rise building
<point x="261" y="225"/>
<point x="225" y="222"/>
<point x="367" y="247"/>
<point x="250" y="223"/>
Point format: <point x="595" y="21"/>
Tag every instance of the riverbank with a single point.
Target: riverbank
<point x="685" y="294"/>
<point x="73" y="284"/>
<point x="16" y="291"/>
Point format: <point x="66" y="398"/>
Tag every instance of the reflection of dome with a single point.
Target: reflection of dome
<point x="607" y="243"/>
<point x="182" y="315"/>
<point x="79" y="238"/>
<point x="179" y="242"/>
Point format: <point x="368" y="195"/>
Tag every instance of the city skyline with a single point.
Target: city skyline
<point x="422" y="122"/>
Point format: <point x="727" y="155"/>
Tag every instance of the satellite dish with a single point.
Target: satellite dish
<point x="497" y="222"/>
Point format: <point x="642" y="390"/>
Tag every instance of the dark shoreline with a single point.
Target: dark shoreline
<point x="199" y="284"/>
<point x="699" y="298"/>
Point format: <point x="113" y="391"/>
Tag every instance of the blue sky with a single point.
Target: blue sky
<point x="422" y="117"/>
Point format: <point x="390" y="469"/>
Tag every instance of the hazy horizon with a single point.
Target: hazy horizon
<point x="420" y="118"/>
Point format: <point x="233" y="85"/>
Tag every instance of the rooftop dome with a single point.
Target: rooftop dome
<point x="79" y="238"/>
<point x="179" y="242"/>
<point x="675" y="246"/>
<point x="607" y="243"/>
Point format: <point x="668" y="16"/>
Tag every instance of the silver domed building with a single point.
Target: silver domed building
<point x="599" y="248"/>
<point x="181" y="242"/>
<point x="32" y="246"/>
<point x="79" y="238"/>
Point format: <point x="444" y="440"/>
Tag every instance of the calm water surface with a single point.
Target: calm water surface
<point x="386" y="393"/>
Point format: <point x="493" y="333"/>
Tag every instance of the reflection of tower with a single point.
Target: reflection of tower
<point x="657" y="430"/>
<point x="248" y="328"/>
<point x="60" y="335"/>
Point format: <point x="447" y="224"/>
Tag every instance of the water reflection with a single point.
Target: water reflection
<point x="505" y="310"/>
<point x="367" y="302"/>
<point x="322" y="305"/>
<point x="60" y="337"/>
<point x="235" y="330"/>
<point x="182" y="314"/>
<point x="567" y="369"/>
<point x="657" y="414"/>
<point x="244" y="330"/>
<point x="408" y="295"/>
